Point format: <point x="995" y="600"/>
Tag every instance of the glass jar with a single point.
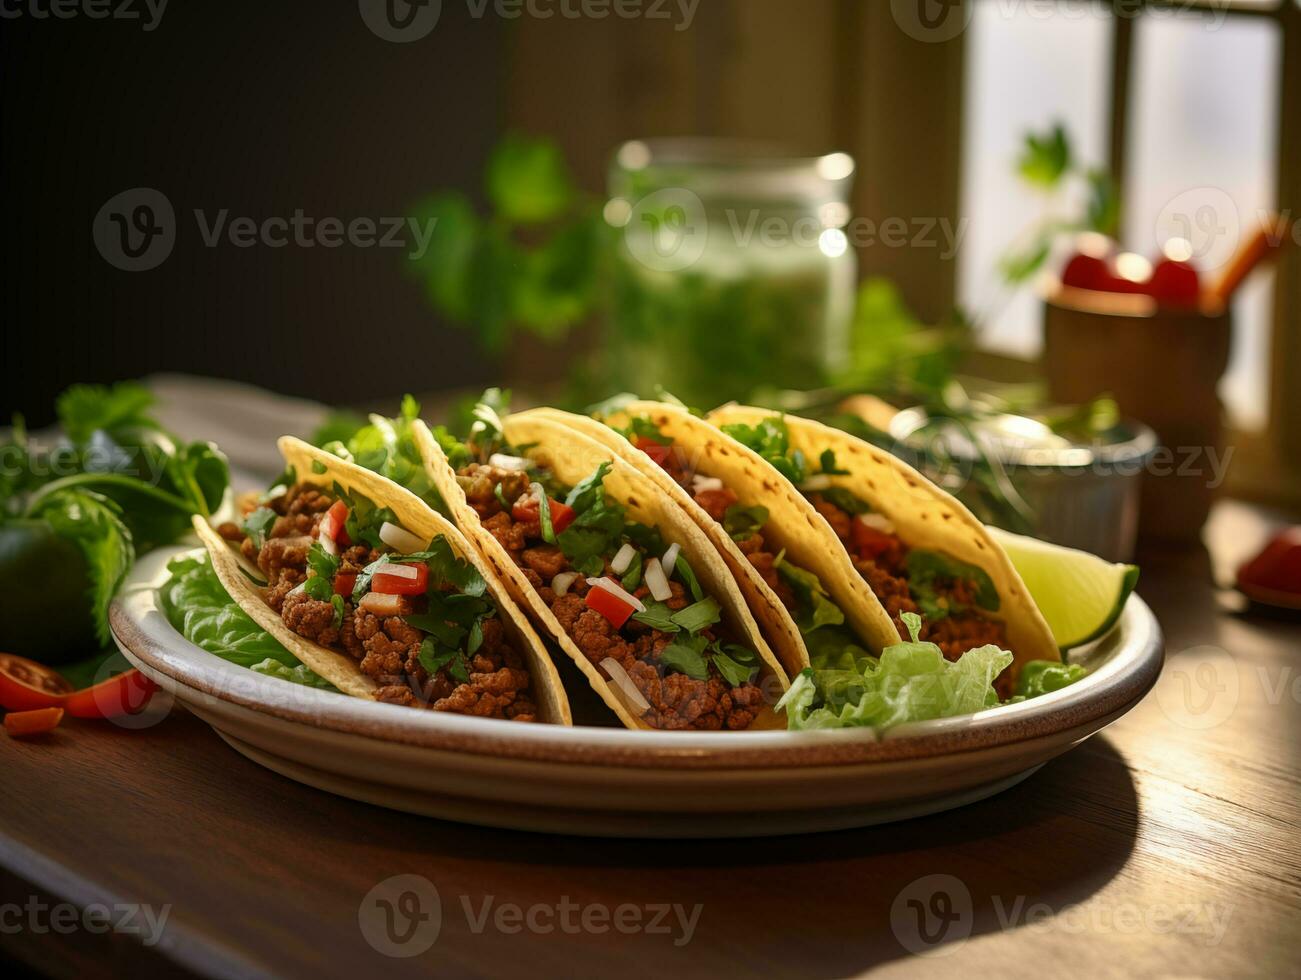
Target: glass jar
<point x="732" y="268"/>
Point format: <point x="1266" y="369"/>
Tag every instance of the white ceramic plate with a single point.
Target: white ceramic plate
<point x="612" y="782"/>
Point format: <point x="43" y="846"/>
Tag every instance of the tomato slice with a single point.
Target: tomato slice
<point x="562" y="515"/>
<point x="525" y="511"/>
<point x="344" y="583"/>
<point x="125" y="694"/>
<point x="26" y="685"/>
<point x="334" y="524"/>
<point x="870" y="542"/>
<point x="33" y="722"/>
<point x="657" y="451"/>
<point x="390" y="584"/>
<point x="609" y="605"/>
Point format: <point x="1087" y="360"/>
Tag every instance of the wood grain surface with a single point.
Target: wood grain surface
<point x="1167" y="846"/>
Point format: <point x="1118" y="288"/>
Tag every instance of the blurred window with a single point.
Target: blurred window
<point x="1198" y="93"/>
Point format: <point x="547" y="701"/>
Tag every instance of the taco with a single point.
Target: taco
<point x="887" y="542"/>
<point x="613" y="569"/>
<point x="380" y="596"/>
<point x="681" y="453"/>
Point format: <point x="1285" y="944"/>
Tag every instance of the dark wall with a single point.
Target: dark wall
<point x="260" y="108"/>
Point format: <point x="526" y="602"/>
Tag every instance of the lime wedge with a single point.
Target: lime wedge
<point x="1079" y="594"/>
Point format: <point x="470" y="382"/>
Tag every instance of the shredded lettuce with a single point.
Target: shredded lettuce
<point x="910" y="682"/>
<point x="198" y="606"/>
<point x="1042" y="676"/>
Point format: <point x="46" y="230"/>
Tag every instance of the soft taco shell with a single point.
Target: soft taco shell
<point x="703" y="444"/>
<point x="573" y="457"/>
<point x="312" y="465"/>
<point x="925" y="517"/>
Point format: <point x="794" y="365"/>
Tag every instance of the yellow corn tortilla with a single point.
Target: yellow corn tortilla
<point x="573" y="457"/>
<point x="924" y="516"/>
<point x="702" y="443"/>
<point x="322" y="469"/>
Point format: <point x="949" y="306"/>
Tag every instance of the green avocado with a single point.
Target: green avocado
<point x="44" y="584"/>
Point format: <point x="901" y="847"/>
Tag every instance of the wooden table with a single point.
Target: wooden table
<point x="1167" y="846"/>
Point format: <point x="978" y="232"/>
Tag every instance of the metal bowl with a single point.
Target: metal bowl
<point x="1083" y="496"/>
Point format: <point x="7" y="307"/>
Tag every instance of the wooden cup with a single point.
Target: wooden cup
<point x="1163" y="367"/>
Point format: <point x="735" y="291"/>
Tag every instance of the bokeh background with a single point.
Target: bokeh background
<point x="264" y="108"/>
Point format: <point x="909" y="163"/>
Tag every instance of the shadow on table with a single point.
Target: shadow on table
<point x="834" y="903"/>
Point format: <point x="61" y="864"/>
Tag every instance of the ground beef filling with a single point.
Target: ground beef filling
<point x="715" y="503"/>
<point x="956" y="633"/>
<point x="386" y="648"/>
<point x="676" y="700"/>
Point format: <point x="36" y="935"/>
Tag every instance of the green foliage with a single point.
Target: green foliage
<point x="530" y="265"/>
<point x="1045" y="158"/>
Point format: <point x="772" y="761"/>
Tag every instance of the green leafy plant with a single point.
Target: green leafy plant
<point x="1049" y="166"/>
<point x="530" y="264"/>
<point x="74" y="513"/>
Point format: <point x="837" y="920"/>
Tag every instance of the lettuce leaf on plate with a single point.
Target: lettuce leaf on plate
<point x="198" y="606"/>
<point x="909" y="682"/>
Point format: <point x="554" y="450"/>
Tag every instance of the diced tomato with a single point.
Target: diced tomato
<point x="390" y="584"/>
<point x="525" y="511"/>
<point x="334" y="524"/>
<point x="25" y="684"/>
<point x="657" y="451"/>
<point x="125" y="694"/>
<point x="344" y="582"/>
<point x="869" y="542"/>
<point x="609" y="605"/>
<point x="33" y="722"/>
<point x="562" y="515"/>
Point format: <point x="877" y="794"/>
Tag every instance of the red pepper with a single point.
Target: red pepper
<point x="334" y="524"/>
<point x="869" y="542"/>
<point x="27" y="686"/>
<point x="657" y="451"/>
<point x="35" y="722"/>
<point x="389" y="584"/>
<point x="344" y="583"/>
<point x="525" y="511"/>
<point x="609" y="605"/>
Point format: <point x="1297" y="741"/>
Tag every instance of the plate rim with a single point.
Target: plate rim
<point x="150" y="642"/>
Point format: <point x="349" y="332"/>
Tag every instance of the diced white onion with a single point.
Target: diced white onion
<point x="398" y="570"/>
<point x="622" y="559"/>
<point x="504" y="462"/>
<point x="877" y="522"/>
<point x="300" y="587"/>
<point x="625" y="684"/>
<point x="703" y="484"/>
<point x="670" y="559"/>
<point x="656" y="582"/>
<point x="561" y="583"/>
<point x="617" y="590"/>
<point x="819" y="481"/>
<point x="400" y="539"/>
<point x="328" y="544"/>
<point x="382" y="604"/>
